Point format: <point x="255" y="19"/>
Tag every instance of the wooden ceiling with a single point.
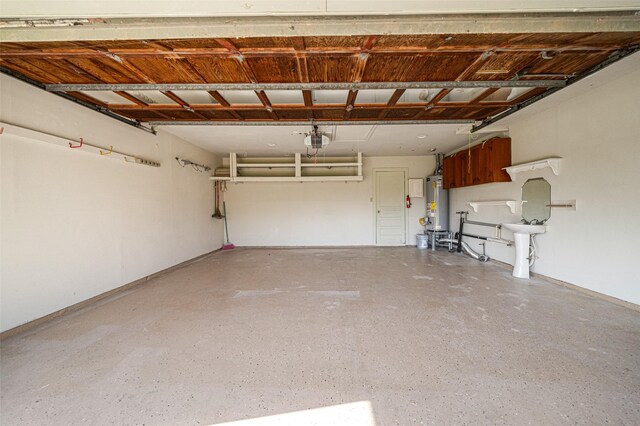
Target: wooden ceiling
<point x="300" y="79"/>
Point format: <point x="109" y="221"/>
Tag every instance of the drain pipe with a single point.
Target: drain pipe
<point x="465" y="248"/>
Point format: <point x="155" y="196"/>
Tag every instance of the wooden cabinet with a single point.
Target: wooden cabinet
<point x="448" y="171"/>
<point x="482" y="164"/>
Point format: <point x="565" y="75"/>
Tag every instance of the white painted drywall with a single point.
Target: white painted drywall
<point x="597" y="133"/>
<point x="74" y="224"/>
<point x="318" y="213"/>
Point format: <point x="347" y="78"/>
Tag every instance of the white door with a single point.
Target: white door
<point x="390" y="198"/>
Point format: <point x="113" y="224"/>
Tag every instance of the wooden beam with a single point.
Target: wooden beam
<point x="363" y="57"/>
<point x="392" y="101"/>
<point x="351" y="99"/>
<point x="475" y="66"/>
<point x="239" y="57"/>
<point x="483" y="95"/>
<point x="131" y="98"/>
<point x="266" y="103"/>
<point x="303" y="68"/>
<point x="129" y="67"/>
<point x="177" y="99"/>
<point x="138" y="102"/>
<point x="435" y="100"/>
<point x="222" y="101"/>
<point x="308" y="103"/>
<point x="87" y="98"/>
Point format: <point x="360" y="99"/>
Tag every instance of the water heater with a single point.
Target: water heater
<point x="437" y="205"/>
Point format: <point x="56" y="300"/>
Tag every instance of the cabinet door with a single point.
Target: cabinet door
<point x="500" y="157"/>
<point x="480" y="159"/>
<point x="463" y="176"/>
<point x="448" y="172"/>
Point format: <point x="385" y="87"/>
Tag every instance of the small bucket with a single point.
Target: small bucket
<point x="422" y="241"/>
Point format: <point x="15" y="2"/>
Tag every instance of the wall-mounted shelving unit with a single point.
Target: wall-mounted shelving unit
<point x="512" y="204"/>
<point x="553" y="163"/>
<point x="287" y="169"/>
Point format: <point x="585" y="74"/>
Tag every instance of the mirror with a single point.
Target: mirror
<point x="536" y="197"/>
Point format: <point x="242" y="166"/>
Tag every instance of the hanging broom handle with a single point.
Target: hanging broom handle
<point x="226" y="229"/>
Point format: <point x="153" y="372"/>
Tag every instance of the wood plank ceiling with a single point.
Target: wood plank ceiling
<point x="301" y="79"/>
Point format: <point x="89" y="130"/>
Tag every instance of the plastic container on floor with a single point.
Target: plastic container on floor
<point x="422" y="241"/>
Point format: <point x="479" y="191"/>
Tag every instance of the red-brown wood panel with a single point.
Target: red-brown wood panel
<point x="567" y="63"/>
<point x="254" y="114"/>
<point x="503" y="65"/>
<point x="387" y="42"/>
<point x="164" y="70"/>
<point x="319" y="42"/>
<point x="274" y="69"/>
<point x="262" y="42"/>
<point x="331" y="69"/>
<point x="387" y="68"/>
<point x="500" y="155"/>
<point x="106" y="70"/>
<point x="448" y="172"/>
<point x="368" y="114"/>
<point x="219" y="70"/>
<point x="214" y="114"/>
<point x="292" y="114"/>
<point x="28" y="70"/>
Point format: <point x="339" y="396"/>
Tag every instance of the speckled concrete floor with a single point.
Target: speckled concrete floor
<point x="426" y="338"/>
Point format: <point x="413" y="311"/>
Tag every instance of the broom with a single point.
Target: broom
<point x="227" y="245"/>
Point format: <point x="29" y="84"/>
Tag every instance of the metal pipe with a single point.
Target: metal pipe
<point x="464" y="247"/>
<point x="491" y="225"/>
<point x="307" y="86"/>
<point x="490" y="239"/>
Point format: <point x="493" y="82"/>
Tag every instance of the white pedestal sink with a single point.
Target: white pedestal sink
<point x="522" y="235"/>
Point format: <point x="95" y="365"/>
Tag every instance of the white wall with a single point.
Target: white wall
<point x="597" y="134"/>
<point x="317" y="213"/>
<point x="74" y="224"/>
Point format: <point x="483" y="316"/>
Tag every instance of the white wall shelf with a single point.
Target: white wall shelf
<point x="509" y="203"/>
<point x="297" y="166"/>
<point x="553" y="163"/>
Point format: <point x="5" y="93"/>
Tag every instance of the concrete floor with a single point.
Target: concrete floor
<point x="425" y="337"/>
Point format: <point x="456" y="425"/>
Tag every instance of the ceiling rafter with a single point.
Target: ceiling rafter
<point x="177" y="99"/>
<point x="264" y="99"/>
<point x="131" y="98"/>
<point x="393" y="100"/>
<point x="308" y="102"/>
<point x="351" y="99"/>
<point x="129" y="67"/>
<point x="483" y="95"/>
<point x="441" y="94"/>
<point x="86" y="98"/>
<point x="222" y="101"/>
<point x="239" y="57"/>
